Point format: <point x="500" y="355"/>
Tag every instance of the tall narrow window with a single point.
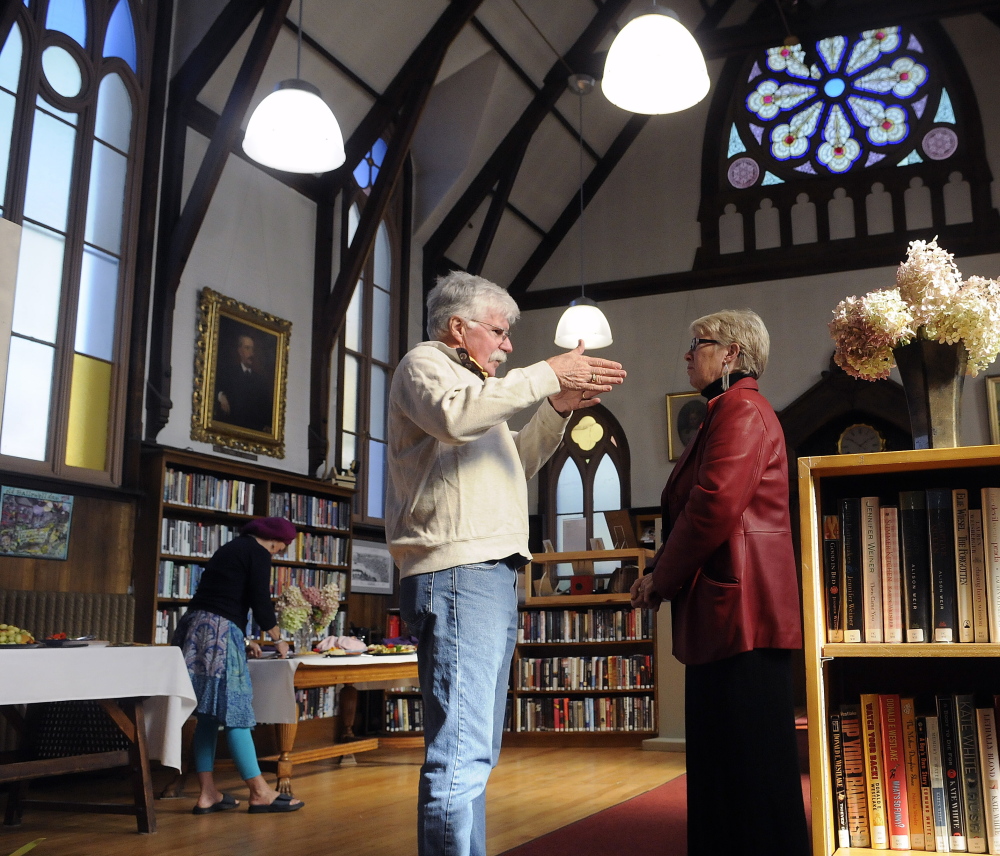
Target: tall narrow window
<point x="368" y="348"/>
<point x="71" y="113"/>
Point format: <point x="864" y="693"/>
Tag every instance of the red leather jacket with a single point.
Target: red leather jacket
<point x="727" y="563"/>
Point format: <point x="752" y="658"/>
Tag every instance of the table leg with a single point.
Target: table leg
<point x="285" y="732"/>
<point x="142" y="782"/>
<point x="348" y="710"/>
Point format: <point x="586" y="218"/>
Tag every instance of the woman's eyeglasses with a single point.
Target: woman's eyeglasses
<point x="696" y="342"/>
<point x="499" y="332"/>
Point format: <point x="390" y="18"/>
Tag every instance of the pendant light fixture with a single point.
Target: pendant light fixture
<point x="293" y="129"/>
<point x="583" y="319"/>
<point x="654" y="65"/>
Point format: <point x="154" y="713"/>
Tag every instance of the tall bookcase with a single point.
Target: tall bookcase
<point x="584" y="667"/>
<point x="193" y="503"/>
<point x="838" y="673"/>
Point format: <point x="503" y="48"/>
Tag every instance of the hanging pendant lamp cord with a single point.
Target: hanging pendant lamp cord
<point x="580" y="96"/>
<point x="534" y="26"/>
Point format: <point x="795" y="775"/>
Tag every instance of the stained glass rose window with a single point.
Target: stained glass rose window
<point x="846" y="102"/>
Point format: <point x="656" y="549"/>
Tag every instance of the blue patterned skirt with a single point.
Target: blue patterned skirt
<point x="215" y="656"/>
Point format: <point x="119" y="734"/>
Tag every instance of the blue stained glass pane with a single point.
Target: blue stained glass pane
<point x="735" y="143"/>
<point x="770" y="178"/>
<point x="569" y="490"/>
<point x="912" y="157"/>
<point x="376" y="479"/>
<point x="10" y="60"/>
<point x="363" y="174"/>
<point x="50" y="168"/>
<point x="378" y="153"/>
<point x="69" y="17"/>
<point x="114" y="113"/>
<point x="120" y="38"/>
<point x="834" y="87"/>
<point x="945" y="113"/>
<point x="106" y="198"/>
<point x="95" y="317"/>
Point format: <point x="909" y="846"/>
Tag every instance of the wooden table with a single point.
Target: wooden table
<point x="145" y="691"/>
<point x="274" y="685"/>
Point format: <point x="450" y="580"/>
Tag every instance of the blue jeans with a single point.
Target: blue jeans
<point x="466" y="621"/>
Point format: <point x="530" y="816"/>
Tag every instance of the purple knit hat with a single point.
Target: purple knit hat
<point x="271" y="529"/>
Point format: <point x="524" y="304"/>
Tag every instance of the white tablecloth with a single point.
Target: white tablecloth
<point x="274" y="688"/>
<point x="32" y="675"/>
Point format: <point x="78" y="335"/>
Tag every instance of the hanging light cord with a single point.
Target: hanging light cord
<point x="580" y="96"/>
<point x="527" y="18"/>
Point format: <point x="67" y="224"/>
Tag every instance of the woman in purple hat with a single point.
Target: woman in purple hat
<point x="235" y="581"/>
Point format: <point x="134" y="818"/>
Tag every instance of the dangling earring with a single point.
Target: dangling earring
<point x="725" y="376"/>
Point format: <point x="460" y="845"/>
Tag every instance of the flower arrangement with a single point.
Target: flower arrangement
<point x="930" y="301"/>
<point x="316" y="606"/>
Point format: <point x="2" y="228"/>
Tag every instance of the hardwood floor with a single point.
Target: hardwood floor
<point x="363" y="810"/>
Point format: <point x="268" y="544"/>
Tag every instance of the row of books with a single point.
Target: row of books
<point x="600" y="713"/>
<point x="317" y="702"/>
<point x="585" y="673"/>
<point x="325" y="549"/>
<point x="283" y="576"/>
<point x="309" y="510"/>
<point x="585" y="625"/>
<point x="404" y="713"/>
<point x="178" y="579"/>
<point x="200" y="490"/>
<point x="187" y="538"/>
<point x="166" y="624"/>
<point x="924" y="570"/>
<point x="918" y="774"/>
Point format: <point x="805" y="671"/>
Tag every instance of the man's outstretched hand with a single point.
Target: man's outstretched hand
<point x="581" y="378"/>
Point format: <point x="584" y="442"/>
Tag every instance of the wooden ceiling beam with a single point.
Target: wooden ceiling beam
<point x="498" y="204"/>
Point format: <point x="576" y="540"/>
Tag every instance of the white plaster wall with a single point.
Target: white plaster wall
<point x="256" y="246"/>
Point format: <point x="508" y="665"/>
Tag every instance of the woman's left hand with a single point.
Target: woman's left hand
<point x="643" y="594"/>
<point x="253" y="649"/>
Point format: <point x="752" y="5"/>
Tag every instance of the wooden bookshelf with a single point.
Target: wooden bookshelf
<point x="584" y="668"/>
<point x="835" y="673"/>
<point x="194" y="502"/>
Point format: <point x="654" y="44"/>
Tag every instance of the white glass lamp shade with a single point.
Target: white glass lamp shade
<point x="655" y="66"/>
<point x="583" y="320"/>
<point x="293" y="130"/>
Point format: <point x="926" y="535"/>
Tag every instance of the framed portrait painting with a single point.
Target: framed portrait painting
<point x="685" y="412"/>
<point x="372" y="568"/>
<point x="240" y="376"/>
<point x="992" y="405"/>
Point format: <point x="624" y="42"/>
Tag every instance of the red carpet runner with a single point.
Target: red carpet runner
<point x="652" y="822"/>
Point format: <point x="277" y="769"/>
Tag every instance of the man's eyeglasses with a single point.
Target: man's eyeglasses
<point x="499" y="332"/>
<point x="695" y="342"/>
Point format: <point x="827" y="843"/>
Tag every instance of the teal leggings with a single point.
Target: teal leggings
<point x="206" y="735"/>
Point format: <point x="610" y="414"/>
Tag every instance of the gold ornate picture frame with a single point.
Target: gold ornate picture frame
<point x="993" y="405"/>
<point x="240" y="376"/>
<point x="685" y="412"/>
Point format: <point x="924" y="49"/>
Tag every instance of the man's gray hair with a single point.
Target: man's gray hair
<point x="467" y="296"/>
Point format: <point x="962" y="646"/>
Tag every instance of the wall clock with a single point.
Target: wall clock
<point x="860" y="438"/>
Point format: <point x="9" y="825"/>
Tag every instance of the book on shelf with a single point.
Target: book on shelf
<point x="911" y="768"/>
<point x="851" y="552"/>
<point x="941" y="534"/>
<point x="840" y="815"/>
<point x="871" y="730"/>
<point x="977" y="566"/>
<point x="963" y="565"/>
<point x="913" y="551"/>
<point x="989" y="765"/>
<point x="854" y="775"/>
<point x="972" y="787"/>
<point x="951" y="763"/>
<point x="871" y="568"/>
<point x="991" y="554"/>
<point x="942" y="827"/>
<point x="897" y="810"/>
<point x="926" y="798"/>
<point x="892" y="580"/>
<point x="833" y="572"/>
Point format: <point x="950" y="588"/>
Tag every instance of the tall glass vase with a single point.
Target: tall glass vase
<point x="933" y="378"/>
<point x="303" y="639"/>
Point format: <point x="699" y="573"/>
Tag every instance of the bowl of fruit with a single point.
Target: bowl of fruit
<point x="16" y="637"/>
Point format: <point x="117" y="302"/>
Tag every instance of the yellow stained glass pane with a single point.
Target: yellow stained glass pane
<point x="89" y="402"/>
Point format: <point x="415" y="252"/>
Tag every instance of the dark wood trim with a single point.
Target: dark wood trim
<point x="343" y="68"/>
<point x="319" y="371"/>
<point x="498" y="204"/>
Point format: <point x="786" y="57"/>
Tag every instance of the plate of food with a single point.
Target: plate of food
<point x="340" y="652"/>
<point x="6" y="645"/>
<point x="16" y="637"/>
<point x="389" y="650"/>
<point x="60" y="640"/>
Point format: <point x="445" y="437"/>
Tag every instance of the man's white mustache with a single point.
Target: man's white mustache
<point x="498" y="356"/>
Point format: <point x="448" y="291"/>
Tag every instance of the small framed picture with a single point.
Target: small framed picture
<point x="992" y="405"/>
<point x="34" y="524"/>
<point x="685" y="413"/>
<point x="372" y="568"/>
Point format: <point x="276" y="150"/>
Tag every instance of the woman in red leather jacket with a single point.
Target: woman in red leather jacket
<point x="728" y="568"/>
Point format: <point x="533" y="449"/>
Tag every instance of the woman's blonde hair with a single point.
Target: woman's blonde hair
<point x="745" y="328"/>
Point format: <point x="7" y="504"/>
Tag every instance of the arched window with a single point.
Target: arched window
<point x="369" y="346"/>
<point x="863" y="139"/>
<point x="588" y="474"/>
<point x="73" y="90"/>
